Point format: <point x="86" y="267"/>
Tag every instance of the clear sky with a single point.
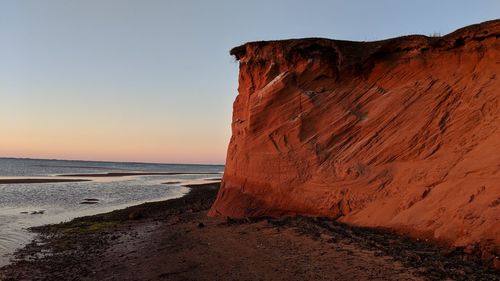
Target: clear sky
<point x="151" y="80"/>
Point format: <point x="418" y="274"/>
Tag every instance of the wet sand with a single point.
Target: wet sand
<point x="41" y="180"/>
<point x="175" y="240"/>
<point x="134" y="174"/>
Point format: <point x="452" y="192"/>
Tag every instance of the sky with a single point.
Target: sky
<point x="152" y="81"/>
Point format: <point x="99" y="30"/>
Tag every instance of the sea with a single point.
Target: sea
<point x="27" y="205"/>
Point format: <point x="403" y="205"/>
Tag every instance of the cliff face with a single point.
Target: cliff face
<point x="402" y="133"/>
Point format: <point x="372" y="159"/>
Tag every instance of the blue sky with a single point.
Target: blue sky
<point x="152" y="80"/>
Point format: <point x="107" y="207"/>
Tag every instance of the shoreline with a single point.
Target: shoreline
<point x="174" y="239"/>
<point x="128" y="174"/>
<point x="38" y="180"/>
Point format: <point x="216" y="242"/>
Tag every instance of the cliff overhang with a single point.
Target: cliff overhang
<point x="400" y="133"/>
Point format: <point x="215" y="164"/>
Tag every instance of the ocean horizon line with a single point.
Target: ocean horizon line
<point x="110" y="161"/>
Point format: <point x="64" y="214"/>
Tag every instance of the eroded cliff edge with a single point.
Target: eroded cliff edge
<point x="401" y="133"/>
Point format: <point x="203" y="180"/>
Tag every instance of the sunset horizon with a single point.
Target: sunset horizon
<point x="123" y="81"/>
<point x="113" y="161"/>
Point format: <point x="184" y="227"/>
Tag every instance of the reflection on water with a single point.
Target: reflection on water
<point x="27" y="205"/>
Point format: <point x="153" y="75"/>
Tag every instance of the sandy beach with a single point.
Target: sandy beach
<point x="175" y="240"/>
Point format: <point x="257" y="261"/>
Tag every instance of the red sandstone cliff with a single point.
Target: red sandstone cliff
<point x="401" y="133"/>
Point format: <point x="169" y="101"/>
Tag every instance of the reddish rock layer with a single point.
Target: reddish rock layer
<point x="401" y="133"/>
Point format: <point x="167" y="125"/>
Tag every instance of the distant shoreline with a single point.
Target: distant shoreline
<point x="137" y="174"/>
<point x="16" y="180"/>
<point x="41" y="180"/>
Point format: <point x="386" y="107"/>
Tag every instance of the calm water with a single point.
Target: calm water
<point x="62" y="201"/>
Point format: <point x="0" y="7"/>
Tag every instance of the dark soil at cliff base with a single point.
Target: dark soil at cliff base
<point x="175" y="240"/>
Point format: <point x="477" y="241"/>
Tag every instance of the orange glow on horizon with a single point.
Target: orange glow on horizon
<point x="138" y="144"/>
<point x="115" y="155"/>
<point x="83" y="129"/>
